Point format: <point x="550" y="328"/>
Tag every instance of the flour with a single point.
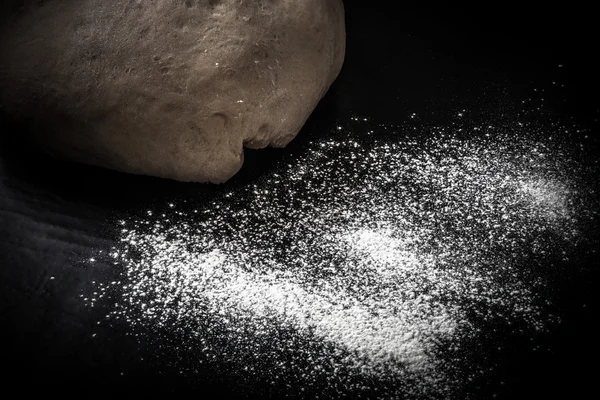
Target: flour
<point x="386" y="252"/>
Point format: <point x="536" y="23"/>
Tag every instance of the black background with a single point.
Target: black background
<point x="400" y="60"/>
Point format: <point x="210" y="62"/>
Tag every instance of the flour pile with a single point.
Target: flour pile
<point x="361" y="264"/>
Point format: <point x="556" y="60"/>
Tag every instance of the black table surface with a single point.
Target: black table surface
<point x="400" y="61"/>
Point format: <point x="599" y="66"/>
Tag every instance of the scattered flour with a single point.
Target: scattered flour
<point x="387" y="252"/>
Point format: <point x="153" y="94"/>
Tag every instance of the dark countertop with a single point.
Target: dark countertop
<point x="416" y="68"/>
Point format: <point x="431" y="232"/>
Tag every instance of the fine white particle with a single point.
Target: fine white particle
<point x="385" y="252"/>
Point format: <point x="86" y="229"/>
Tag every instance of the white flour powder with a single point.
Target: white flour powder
<point x="387" y="252"/>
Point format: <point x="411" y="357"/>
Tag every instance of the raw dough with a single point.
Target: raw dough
<point x="170" y="88"/>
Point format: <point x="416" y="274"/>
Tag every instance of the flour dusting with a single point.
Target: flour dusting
<point x="359" y="264"/>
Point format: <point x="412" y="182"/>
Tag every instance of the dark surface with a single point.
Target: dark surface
<point x="54" y="214"/>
